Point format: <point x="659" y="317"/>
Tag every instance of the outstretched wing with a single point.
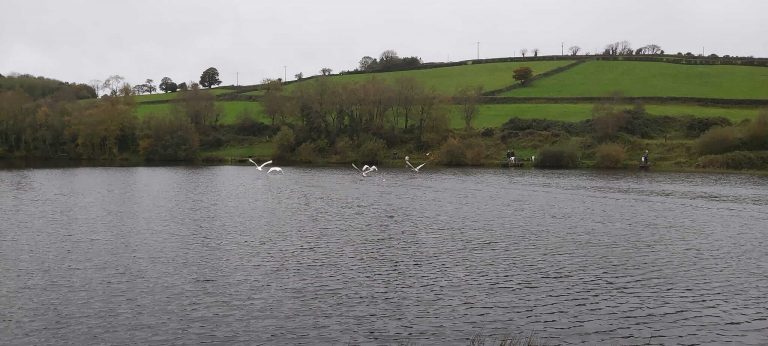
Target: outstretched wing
<point x="265" y="163"/>
<point x="410" y="165"/>
<point x="369" y="170"/>
<point x="353" y="165"/>
<point x="421" y="165"/>
<point x="249" y="159"/>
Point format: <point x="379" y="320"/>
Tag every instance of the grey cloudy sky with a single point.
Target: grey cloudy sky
<point x="80" y="40"/>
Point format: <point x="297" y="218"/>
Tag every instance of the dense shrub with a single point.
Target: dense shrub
<point x="718" y="140"/>
<point x="609" y="155"/>
<point x="474" y="151"/>
<point x="168" y="138"/>
<point x="372" y="150"/>
<point x="488" y="132"/>
<point x="247" y="126"/>
<point x="518" y="124"/>
<point x="307" y="153"/>
<point x="452" y="153"/>
<point x="284" y="143"/>
<point x="756" y="134"/>
<point x="344" y="150"/>
<point x="695" y="126"/>
<point x="736" y="160"/>
<point x="557" y="157"/>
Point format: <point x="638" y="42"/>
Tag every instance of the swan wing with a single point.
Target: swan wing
<point x="421" y="165"/>
<point x="265" y="163"/>
<point x="353" y="165"/>
<point x="410" y="165"/>
<point x="249" y="159"/>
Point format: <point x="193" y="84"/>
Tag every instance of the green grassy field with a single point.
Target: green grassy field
<point x="170" y="96"/>
<point x="599" y="78"/>
<point x="448" y="80"/>
<point x="231" y="110"/>
<point x="496" y="115"/>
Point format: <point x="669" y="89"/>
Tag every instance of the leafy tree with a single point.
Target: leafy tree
<point x="522" y="74"/>
<point x="325" y="71"/>
<point x="299" y="76"/>
<point x="284" y="142"/>
<point x="210" y="78"/>
<point x="183" y="86"/>
<point x="167" y="85"/>
<point x="168" y="138"/>
<point x="366" y="62"/>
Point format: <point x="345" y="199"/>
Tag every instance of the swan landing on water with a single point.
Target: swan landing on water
<point x="366" y="169"/>
<point x="415" y="169"/>
<point x="259" y="167"/>
<point x="276" y="170"/>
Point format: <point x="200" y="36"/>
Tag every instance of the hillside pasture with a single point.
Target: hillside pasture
<point x="448" y="80"/>
<point x="601" y="78"/>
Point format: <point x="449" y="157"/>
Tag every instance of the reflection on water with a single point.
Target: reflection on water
<point x="231" y="255"/>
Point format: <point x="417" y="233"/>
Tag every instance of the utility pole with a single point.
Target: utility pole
<point x="237" y="78"/>
<point x="562" y="52"/>
<point x="478" y="50"/>
<point x="285" y="73"/>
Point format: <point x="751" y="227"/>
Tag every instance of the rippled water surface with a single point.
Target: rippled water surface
<point x="324" y="256"/>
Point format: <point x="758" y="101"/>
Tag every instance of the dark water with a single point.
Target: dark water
<point x="323" y="256"/>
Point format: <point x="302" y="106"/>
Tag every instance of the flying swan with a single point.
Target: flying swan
<point x="259" y="167"/>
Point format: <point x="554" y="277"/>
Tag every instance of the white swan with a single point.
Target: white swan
<point x="366" y="169"/>
<point x="275" y="169"/>
<point x="259" y="167"/>
<point x="415" y="169"/>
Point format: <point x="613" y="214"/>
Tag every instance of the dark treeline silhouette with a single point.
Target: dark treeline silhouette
<point x="40" y="87"/>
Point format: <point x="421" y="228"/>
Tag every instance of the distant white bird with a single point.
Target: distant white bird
<point x="259" y="167"/>
<point x="366" y="169"/>
<point x="415" y="169"/>
<point x="275" y="169"/>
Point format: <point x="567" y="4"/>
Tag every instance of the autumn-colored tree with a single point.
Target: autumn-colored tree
<point x="522" y="74"/>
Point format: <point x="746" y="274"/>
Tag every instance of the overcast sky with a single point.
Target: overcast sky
<point x="79" y="40"/>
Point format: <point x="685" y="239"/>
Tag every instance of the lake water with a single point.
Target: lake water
<point x="230" y="255"/>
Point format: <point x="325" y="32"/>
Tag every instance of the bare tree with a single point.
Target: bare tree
<point x="388" y="55"/>
<point x="624" y="48"/>
<point x="535" y="52"/>
<point x="618" y="48"/>
<point x="523" y="52"/>
<point x="574" y="50"/>
<point x="97" y="85"/>
<point x="114" y="83"/>
<point x="150" y="86"/>
<point x="468" y="99"/>
<point x="650" y="49"/>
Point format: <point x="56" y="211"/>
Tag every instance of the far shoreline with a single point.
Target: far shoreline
<point x="36" y="163"/>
